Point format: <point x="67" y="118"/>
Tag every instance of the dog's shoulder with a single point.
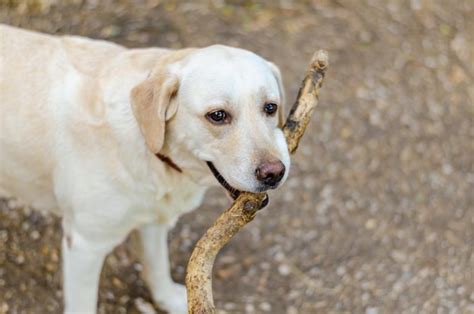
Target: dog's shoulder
<point x="88" y="56"/>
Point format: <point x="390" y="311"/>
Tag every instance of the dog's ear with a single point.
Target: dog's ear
<point x="281" y="89"/>
<point x="153" y="105"/>
<point x="153" y="100"/>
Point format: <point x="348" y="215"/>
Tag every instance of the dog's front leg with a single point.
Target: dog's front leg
<point x="166" y="293"/>
<point x="82" y="263"/>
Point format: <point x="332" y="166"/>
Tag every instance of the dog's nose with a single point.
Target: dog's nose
<point x="270" y="172"/>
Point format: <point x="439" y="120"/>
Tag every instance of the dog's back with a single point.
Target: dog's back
<point x="25" y="136"/>
<point x="37" y="76"/>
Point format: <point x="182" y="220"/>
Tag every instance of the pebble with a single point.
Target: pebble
<point x="20" y="259"/>
<point x="4" y="308"/>
<point x="372" y="310"/>
<point x="284" y="269"/>
<point x="144" y="307"/>
<point x="265" y="306"/>
<point x="370" y="224"/>
<point x="291" y="310"/>
<point x="229" y="306"/>
<point x="249" y="308"/>
<point x="35" y="235"/>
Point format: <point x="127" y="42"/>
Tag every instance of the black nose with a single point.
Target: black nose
<point x="270" y="172"/>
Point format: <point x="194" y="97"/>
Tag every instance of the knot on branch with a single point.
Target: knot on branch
<point x="320" y="60"/>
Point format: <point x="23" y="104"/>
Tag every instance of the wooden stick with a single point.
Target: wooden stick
<point x="245" y="207"/>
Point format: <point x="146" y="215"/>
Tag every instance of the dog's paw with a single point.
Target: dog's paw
<point x="172" y="299"/>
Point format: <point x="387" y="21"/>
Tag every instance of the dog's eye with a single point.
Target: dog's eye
<point x="270" y="108"/>
<point x="218" y="117"/>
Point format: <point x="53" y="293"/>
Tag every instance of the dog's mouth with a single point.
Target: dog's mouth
<point x="234" y="193"/>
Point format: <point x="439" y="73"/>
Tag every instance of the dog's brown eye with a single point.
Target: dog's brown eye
<point x="270" y="108"/>
<point x="218" y="117"/>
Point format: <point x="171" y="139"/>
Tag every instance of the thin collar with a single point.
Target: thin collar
<point x="169" y="162"/>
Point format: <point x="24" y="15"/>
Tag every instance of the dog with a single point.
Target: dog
<point x="115" y="139"/>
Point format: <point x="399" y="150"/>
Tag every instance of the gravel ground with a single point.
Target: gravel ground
<point x="377" y="215"/>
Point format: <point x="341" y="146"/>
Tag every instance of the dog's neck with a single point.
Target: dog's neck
<point x="182" y="162"/>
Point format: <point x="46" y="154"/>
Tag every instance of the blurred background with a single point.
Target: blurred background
<point x="377" y="215"/>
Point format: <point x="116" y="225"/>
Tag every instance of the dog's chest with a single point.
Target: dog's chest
<point x="181" y="197"/>
<point x="171" y="197"/>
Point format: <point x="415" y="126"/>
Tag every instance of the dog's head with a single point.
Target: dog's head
<point x="225" y="105"/>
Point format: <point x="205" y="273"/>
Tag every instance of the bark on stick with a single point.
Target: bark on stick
<point x="244" y="208"/>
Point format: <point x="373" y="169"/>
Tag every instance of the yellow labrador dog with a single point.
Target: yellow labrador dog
<point x="115" y="139"/>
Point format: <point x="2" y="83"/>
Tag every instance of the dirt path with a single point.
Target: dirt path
<point x="377" y="215"/>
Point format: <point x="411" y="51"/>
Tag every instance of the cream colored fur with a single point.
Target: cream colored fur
<point x="82" y="119"/>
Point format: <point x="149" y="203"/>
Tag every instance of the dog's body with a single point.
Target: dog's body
<point x="82" y="121"/>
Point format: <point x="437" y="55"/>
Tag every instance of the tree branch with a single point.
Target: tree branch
<point x="244" y="209"/>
